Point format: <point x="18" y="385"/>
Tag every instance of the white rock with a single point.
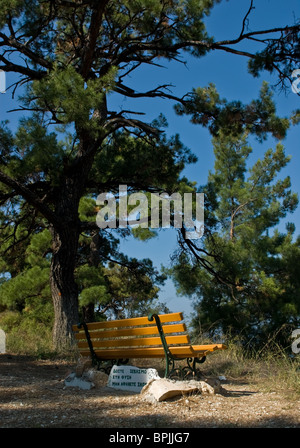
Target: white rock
<point x="97" y="377"/>
<point x="73" y="381"/>
<point x="163" y="389"/>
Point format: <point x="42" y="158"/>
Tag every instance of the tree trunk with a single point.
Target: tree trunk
<point x="63" y="286"/>
<point x="88" y="313"/>
<point x="65" y="238"/>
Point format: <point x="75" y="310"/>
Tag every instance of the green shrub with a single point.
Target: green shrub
<point x="26" y="334"/>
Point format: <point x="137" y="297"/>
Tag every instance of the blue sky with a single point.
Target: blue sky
<point x="229" y="74"/>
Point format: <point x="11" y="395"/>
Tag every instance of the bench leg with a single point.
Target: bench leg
<point x="171" y="371"/>
<point x="190" y="371"/>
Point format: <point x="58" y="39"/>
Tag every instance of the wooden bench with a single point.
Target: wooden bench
<point x="157" y="336"/>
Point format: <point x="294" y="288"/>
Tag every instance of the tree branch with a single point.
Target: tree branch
<point x="96" y="21"/>
<point x="29" y="196"/>
<point x="251" y="7"/>
<point x="13" y="42"/>
<point x="120" y="122"/>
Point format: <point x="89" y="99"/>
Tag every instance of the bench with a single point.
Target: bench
<point x="156" y="336"/>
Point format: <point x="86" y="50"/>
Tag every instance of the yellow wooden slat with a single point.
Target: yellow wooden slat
<point x="188" y="351"/>
<point x="150" y="352"/>
<point x="135" y="342"/>
<point x="135" y="321"/>
<point x="210" y="347"/>
<point x="127" y="353"/>
<point x="182" y="351"/>
<point x="138" y="331"/>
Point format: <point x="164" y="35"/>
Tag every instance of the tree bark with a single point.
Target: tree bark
<point x="65" y="237"/>
<point x="63" y="286"/>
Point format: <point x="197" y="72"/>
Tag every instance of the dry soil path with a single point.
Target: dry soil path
<point x="33" y="395"/>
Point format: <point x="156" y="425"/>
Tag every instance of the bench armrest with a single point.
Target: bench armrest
<point x="168" y="354"/>
<point x="90" y="344"/>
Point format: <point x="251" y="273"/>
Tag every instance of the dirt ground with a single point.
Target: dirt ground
<point x="33" y="395"/>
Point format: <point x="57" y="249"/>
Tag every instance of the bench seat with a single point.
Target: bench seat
<point x="194" y="351"/>
<point x="155" y="336"/>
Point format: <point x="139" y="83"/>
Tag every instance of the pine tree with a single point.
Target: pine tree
<point x="71" y="55"/>
<point x="242" y="275"/>
<point x="108" y="281"/>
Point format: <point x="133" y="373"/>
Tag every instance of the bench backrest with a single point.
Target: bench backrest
<point x="137" y="332"/>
